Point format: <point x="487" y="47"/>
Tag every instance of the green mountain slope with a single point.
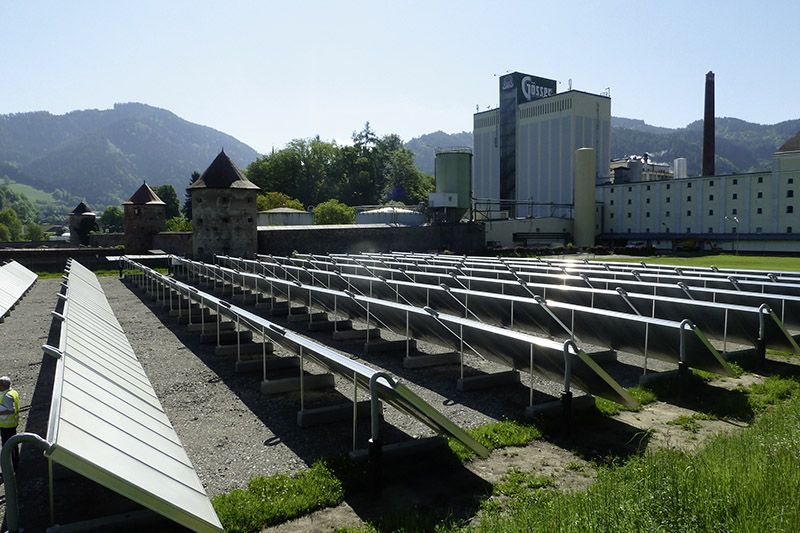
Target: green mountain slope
<point x="103" y="155"/>
<point x="741" y="146"/>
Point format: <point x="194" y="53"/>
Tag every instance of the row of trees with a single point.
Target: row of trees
<point x="373" y="170"/>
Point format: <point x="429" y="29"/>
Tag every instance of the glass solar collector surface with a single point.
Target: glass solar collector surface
<point x="106" y="422"/>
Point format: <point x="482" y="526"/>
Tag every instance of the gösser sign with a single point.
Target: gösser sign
<point x="528" y="87"/>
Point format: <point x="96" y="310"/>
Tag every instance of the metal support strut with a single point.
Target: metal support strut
<point x="10" y="477"/>
<point x="376" y="440"/>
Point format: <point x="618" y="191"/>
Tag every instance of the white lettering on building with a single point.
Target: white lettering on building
<point x="530" y="90"/>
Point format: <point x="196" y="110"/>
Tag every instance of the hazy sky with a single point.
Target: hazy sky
<point x="268" y="72"/>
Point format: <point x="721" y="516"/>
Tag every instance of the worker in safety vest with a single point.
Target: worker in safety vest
<point x="9" y="414"/>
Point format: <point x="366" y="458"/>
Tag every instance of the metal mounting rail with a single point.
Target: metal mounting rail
<point x="517" y="350"/>
<point x="393" y="392"/>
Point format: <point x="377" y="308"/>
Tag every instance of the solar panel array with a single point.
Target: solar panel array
<point x="106" y="422"/>
<point x="15" y="281"/>
<point x="388" y="388"/>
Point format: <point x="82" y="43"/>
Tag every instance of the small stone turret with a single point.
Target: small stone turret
<point x="81" y="222"/>
<point x="145" y="215"/>
<point x="224" y="213"/>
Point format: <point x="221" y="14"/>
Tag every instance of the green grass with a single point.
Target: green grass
<point x="33" y="194"/>
<point x="274" y="499"/>
<point x="498" y="435"/>
<point x="609" y="408"/>
<point x="721" y="261"/>
<point x="746" y="481"/>
<point x="690" y="422"/>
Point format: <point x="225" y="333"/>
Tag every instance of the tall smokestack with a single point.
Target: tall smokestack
<point x="708" y="127"/>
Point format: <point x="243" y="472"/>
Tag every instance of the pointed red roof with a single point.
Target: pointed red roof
<point x="223" y="174"/>
<point x="144" y="195"/>
<point x="792" y="145"/>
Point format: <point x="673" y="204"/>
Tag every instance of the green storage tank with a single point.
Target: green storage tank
<point x="453" y="173"/>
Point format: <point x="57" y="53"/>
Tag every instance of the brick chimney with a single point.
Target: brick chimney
<point x="708" y="127"/>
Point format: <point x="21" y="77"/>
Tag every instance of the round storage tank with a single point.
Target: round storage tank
<point x="454" y="181"/>
<point x="391" y="215"/>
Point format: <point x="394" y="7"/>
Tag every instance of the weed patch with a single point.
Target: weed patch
<point x="609" y="408"/>
<point x="498" y="435"/>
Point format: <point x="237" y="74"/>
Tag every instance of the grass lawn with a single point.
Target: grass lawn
<point x="34" y="195"/>
<point x="721" y="261"/>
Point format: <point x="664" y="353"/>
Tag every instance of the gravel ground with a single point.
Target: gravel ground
<point x="230" y="431"/>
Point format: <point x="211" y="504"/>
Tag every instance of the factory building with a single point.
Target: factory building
<point x="524" y="150"/>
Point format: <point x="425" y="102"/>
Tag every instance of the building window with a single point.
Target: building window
<point x="249" y="219"/>
<point x="630" y="189"/>
<point x="689" y="213"/>
<point x="666" y="214"/>
<point x="733" y="229"/>
<point x="711" y="230"/>
<point x="612" y="190"/>
<point x="689" y="185"/>
<point x="788" y="229"/>
<point x="688" y="230"/>
<point x="611" y="215"/>
<point x="790" y="209"/>
<point x="760" y="179"/>
<point x="733" y="212"/>
<point x="711" y="183"/>
<point x="137" y="211"/>
<point x="710" y="211"/>
<point x="612" y="202"/>
<point x="790" y="181"/>
<point x="647" y="215"/>
<point x="758" y="211"/>
<point x="760" y="195"/>
<point x="629" y="201"/>
<point x="647" y="230"/>
<point x="648" y="187"/>
<point x="736" y="182"/>
<point x="667" y="186"/>
<point x="629" y="215"/>
<point x="710" y="197"/>
<point x="647" y="200"/>
<point x="688" y="198"/>
<point x="667" y="199"/>
<point x="758" y="229"/>
<point x="790" y="193"/>
<point x="735" y="196"/>
<point x="629" y="230"/>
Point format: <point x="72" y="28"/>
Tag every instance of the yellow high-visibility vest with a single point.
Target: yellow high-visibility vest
<point x="10" y="420"/>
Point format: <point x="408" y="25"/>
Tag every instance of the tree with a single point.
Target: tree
<point x="34" y="232"/>
<point x="112" y="220"/>
<point x="170" y="197"/>
<point x="9" y="219"/>
<point x="334" y="212"/>
<point x="187" y="202"/>
<point x="5" y="233"/>
<point x="178" y="224"/>
<point x="272" y="200"/>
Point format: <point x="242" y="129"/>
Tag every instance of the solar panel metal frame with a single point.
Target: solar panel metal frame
<point x="394" y="393"/>
<point x="106" y="422"/>
<point x="15" y="281"/>
<point x="519" y="351"/>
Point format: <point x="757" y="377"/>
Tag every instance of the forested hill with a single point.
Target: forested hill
<point x="103" y="155"/>
<point x="741" y="146"/>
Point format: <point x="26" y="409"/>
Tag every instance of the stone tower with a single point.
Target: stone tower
<point x="81" y="221"/>
<point x="224" y="213"/>
<point x="145" y="215"/>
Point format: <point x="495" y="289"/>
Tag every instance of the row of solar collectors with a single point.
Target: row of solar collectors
<point x="611" y="318"/>
<point x="572" y="265"/>
<point x="388" y="388"/>
<point x="503" y="269"/>
<point x="106" y="422"/>
<point x="15" y="281"/>
<point x="782" y="298"/>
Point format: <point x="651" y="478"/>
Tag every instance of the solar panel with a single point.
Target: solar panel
<point x="15" y="280"/>
<point x="106" y="422"/>
<point x="511" y="348"/>
<point x="393" y="392"/>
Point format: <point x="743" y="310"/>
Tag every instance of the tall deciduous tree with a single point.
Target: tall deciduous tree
<point x="273" y="200"/>
<point x="112" y="219"/>
<point x="170" y="197"/>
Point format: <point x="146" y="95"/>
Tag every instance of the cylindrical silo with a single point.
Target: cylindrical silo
<point x="584" y="200"/>
<point x="454" y="181"/>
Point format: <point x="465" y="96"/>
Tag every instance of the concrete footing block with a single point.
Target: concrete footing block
<point x="382" y="346"/>
<point x="356" y="334"/>
<point x="488" y="380"/>
<point x="332" y="413"/>
<point x="255" y="349"/>
<point x="226" y="337"/>
<point x="650" y="377"/>
<point x="555" y="407"/>
<point x="403" y="450"/>
<point x="310" y="382"/>
<point x="208" y="326"/>
<point x="604" y="357"/>
<point x="425" y="361"/>
<point x="319" y="316"/>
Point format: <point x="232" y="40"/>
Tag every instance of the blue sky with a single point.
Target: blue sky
<point x="268" y="72"/>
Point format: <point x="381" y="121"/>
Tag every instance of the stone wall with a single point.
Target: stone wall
<point x="224" y="221"/>
<point x="142" y="222"/>
<point x="174" y="242"/>
<point x="54" y="259"/>
<point x="457" y="238"/>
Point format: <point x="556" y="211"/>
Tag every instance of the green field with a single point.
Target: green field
<point x="34" y="195"/>
<point x="721" y="261"/>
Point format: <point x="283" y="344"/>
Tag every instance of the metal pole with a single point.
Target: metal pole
<point x="10" y="477"/>
<point x="376" y="440"/>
